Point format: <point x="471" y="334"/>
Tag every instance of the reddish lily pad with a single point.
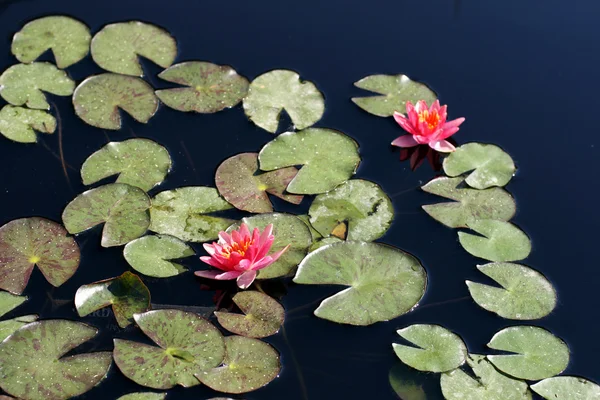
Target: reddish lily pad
<point x="143" y="396"/>
<point x="19" y="123"/>
<point x="263" y="315"/>
<point x="151" y="255"/>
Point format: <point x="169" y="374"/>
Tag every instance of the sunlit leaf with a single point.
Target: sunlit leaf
<point x="263" y="315"/>
<point x="151" y="255"/>
<point x="9" y="326"/>
<point x="143" y="396"/>
<point x="19" y="123"/>
<point x="9" y="302"/>
<point x="567" y="388"/>
<point x="500" y="241"/>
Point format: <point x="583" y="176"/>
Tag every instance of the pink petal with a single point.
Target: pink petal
<point x="405" y="141"/>
<point x="279" y="253"/>
<point x="443" y="112"/>
<point x="421" y="106"/>
<point x="255" y="246"/>
<point x="212" y="262"/>
<point x="210" y="249"/>
<point x="413" y="117"/>
<point x="263" y="250"/>
<point x="207" y="274"/>
<point x="422" y="139"/>
<point x="404" y="123"/>
<point x="244" y="265"/>
<point x="235" y="236"/>
<point x="225" y="238"/>
<point x="262" y="263"/>
<point x="442" y="146"/>
<point x="245" y="280"/>
<point x="244" y="232"/>
<point x="266" y="235"/>
<point x="454" y="123"/>
<point x="218" y="276"/>
<point x="435" y="106"/>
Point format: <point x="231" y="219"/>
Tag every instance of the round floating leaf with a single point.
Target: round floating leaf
<point x="27" y="242"/>
<point x="323" y="242"/>
<point x="471" y="204"/>
<point x="439" y="350"/>
<point x="19" y="124"/>
<point x="150" y="255"/>
<point x="9" y="302"/>
<point x="183" y="213"/>
<point x="22" y="84"/>
<point x="249" y="365"/>
<point x="143" y="396"/>
<point x="188" y="344"/>
<point x="384" y="282"/>
<point x="117" y="46"/>
<point x="396" y="91"/>
<point x="328" y="158"/>
<point x="525" y="294"/>
<point x="279" y="90"/>
<point x="210" y="87"/>
<point x="567" y="388"/>
<point x="239" y="184"/>
<point x="503" y="241"/>
<point x="138" y="162"/>
<point x="263" y="315"/>
<point x="68" y="38"/>
<point x="491" y="165"/>
<point x="539" y="354"/>
<point x="32" y="367"/>
<point x="127" y="295"/>
<point x="404" y="385"/>
<point x="122" y="208"/>
<point x="97" y="100"/>
<point x="10" y="326"/>
<point x="362" y="205"/>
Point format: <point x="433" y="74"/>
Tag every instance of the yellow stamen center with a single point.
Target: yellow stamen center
<point x="432" y="119"/>
<point x="236" y="247"/>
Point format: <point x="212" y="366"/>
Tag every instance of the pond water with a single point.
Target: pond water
<point x="523" y="73"/>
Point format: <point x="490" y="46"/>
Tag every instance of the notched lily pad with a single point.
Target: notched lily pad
<point x="567" y="388"/>
<point x="151" y="255"/>
<point x="501" y="241"/>
<point x="143" y="396"/>
<point x="19" y="123"/>
<point x="10" y="326"/>
<point x="263" y="315"/>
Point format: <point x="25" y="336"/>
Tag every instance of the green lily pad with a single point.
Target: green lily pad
<point x="126" y="294"/>
<point x="184" y="213"/>
<point x="10" y="326"/>
<point x="249" y="365"/>
<point x="374" y="293"/>
<point x="439" y="350"/>
<point x="501" y="241"/>
<point x="19" y="123"/>
<point x="117" y="46"/>
<point x="187" y="344"/>
<point x="27" y="242"/>
<point x="567" y="388"/>
<point x="150" y="255"/>
<point x="403" y="382"/>
<point x="24" y="84"/>
<point x="97" y="100"/>
<point x="396" y="91"/>
<point x="490" y="165"/>
<point x="469" y="205"/>
<point x="68" y="38"/>
<point x="317" y="244"/>
<point x="538" y="353"/>
<point x="525" y="294"/>
<point x="32" y="367"/>
<point x="143" y="396"/>
<point x="287" y="229"/>
<point x="328" y="158"/>
<point x="210" y="87"/>
<point x="263" y="315"/>
<point x="122" y="208"/>
<point x="138" y="162"/>
<point x="9" y="302"/>
<point x="238" y="182"/>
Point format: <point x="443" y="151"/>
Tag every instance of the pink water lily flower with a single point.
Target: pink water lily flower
<point x="426" y="126"/>
<point x="240" y="254"/>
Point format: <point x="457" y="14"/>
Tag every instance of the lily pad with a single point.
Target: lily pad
<point x="143" y="396"/>
<point x="10" y="326"/>
<point x="150" y="255"/>
<point x="501" y="241"/>
<point x="9" y="302"/>
<point x="525" y="294"/>
<point x="126" y="294"/>
<point x="184" y="213"/>
<point x="68" y="38"/>
<point x="538" y="353"/>
<point x="396" y="91"/>
<point x="491" y="166"/>
<point x="279" y="90"/>
<point x="117" y="46"/>
<point x="187" y="344"/>
<point x="328" y="158"/>
<point x="27" y="242"/>
<point x="383" y="282"/>
<point x="263" y="315"/>
<point x="138" y="162"/>
<point x="469" y="205"/>
<point x="567" y="388"/>
<point x="32" y="367"/>
<point x="19" y="123"/>
<point x="122" y="208"/>
<point x="249" y="365"/>
<point x="317" y="244"/>
<point x="407" y="383"/>
<point x="210" y="87"/>
<point x="439" y="350"/>
<point x="97" y="100"/>
<point x="24" y="84"/>
<point x="238" y="182"/>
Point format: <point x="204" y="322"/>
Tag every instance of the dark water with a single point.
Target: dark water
<point x="523" y="73"/>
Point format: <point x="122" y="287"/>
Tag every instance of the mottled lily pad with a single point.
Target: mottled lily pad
<point x="501" y="241"/>
<point x="383" y="282"/>
<point x="151" y="255"/>
<point x="19" y="123"/>
<point x="187" y="343"/>
<point x="138" y="162"/>
<point x="27" y="242"/>
<point x="97" y="100"/>
<point x="143" y="396"/>
<point x="567" y="388"/>
<point x="10" y="326"/>
<point x="279" y="90"/>
<point x="525" y="294"/>
<point x="68" y="38"/>
<point x="210" y="87"/>
<point x="396" y="91"/>
<point x="24" y="84"/>
<point x="9" y="302"/>
<point x="263" y="315"/>
<point x="249" y="365"/>
<point x="32" y="367"/>
<point x="328" y="158"/>
<point x="117" y="46"/>
<point x="122" y="208"/>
